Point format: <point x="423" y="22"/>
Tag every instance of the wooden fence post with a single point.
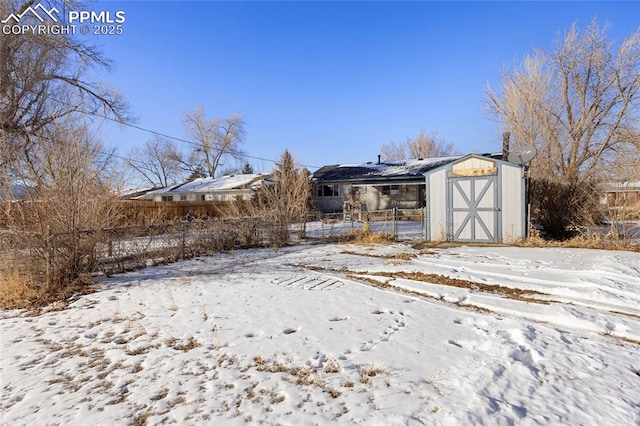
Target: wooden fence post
<point x="183" y="235"/>
<point x="49" y="258"/>
<point x="395" y="222"/>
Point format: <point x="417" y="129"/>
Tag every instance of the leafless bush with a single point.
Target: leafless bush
<point x="561" y="208"/>
<point x="67" y="189"/>
<point x="125" y="249"/>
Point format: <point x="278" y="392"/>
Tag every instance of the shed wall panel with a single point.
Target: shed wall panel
<point x="437" y="205"/>
<point x="513" y="209"/>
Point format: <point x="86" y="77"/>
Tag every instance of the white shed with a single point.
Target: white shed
<point x="475" y="199"/>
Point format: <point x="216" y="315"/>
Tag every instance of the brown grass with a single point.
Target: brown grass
<point x="594" y="242"/>
<point x="21" y="290"/>
<point x="622" y="338"/>
<point x="18" y="290"/>
<point x="141" y="418"/>
<point x="509" y="292"/>
<point x="182" y="345"/>
<point x="626" y="314"/>
<point x="369" y="371"/>
<point x="331" y="366"/>
<point x="363" y="237"/>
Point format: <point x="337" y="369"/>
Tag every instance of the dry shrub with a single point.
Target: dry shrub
<point x="560" y="208"/>
<point x="68" y="196"/>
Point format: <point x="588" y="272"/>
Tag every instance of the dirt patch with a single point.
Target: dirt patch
<point x="508" y="292"/>
<point x="387" y="285"/>
<point x="626" y="314"/>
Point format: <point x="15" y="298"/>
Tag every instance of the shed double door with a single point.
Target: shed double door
<point x="474" y="209"/>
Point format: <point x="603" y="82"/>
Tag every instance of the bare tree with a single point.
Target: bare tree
<point x="579" y="106"/>
<point x="46" y="90"/>
<point x="214" y="139"/>
<point x="43" y="78"/>
<point x="422" y="146"/>
<point x="159" y="162"/>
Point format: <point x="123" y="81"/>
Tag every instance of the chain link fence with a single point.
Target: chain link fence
<point x="403" y="224"/>
<point x="54" y="257"/>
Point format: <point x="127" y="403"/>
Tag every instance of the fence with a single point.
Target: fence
<point x="58" y="257"/>
<point x="138" y="212"/>
<point x="403" y="224"/>
<point x="143" y="212"/>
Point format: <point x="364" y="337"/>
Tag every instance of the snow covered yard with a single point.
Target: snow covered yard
<point x="317" y="334"/>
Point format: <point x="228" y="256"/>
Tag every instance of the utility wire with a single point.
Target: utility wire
<point x="154" y="132"/>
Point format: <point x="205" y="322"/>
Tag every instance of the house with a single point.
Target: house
<point x="225" y="188"/>
<point x="374" y="185"/>
<point x="472" y="198"/>
<point x="134" y="193"/>
<point x="622" y="195"/>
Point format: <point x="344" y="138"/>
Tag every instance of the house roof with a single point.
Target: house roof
<point x="625" y="185"/>
<point x="134" y="192"/>
<point x="371" y="173"/>
<point x="224" y="183"/>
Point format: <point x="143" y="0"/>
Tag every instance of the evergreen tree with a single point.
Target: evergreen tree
<point x="287" y="196"/>
<point x="247" y="169"/>
<point x="197" y="173"/>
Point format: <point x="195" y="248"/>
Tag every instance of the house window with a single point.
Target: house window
<point x="201" y="197"/>
<point x="183" y="198"/>
<point x="328" y="190"/>
<point x="390" y="190"/>
<point x="167" y="198"/>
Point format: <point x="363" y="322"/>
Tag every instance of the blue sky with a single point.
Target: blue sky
<point x="331" y="81"/>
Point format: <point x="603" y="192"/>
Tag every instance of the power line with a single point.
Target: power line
<point x="154" y="132"/>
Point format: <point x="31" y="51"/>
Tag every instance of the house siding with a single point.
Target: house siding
<point x="375" y="197"/>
